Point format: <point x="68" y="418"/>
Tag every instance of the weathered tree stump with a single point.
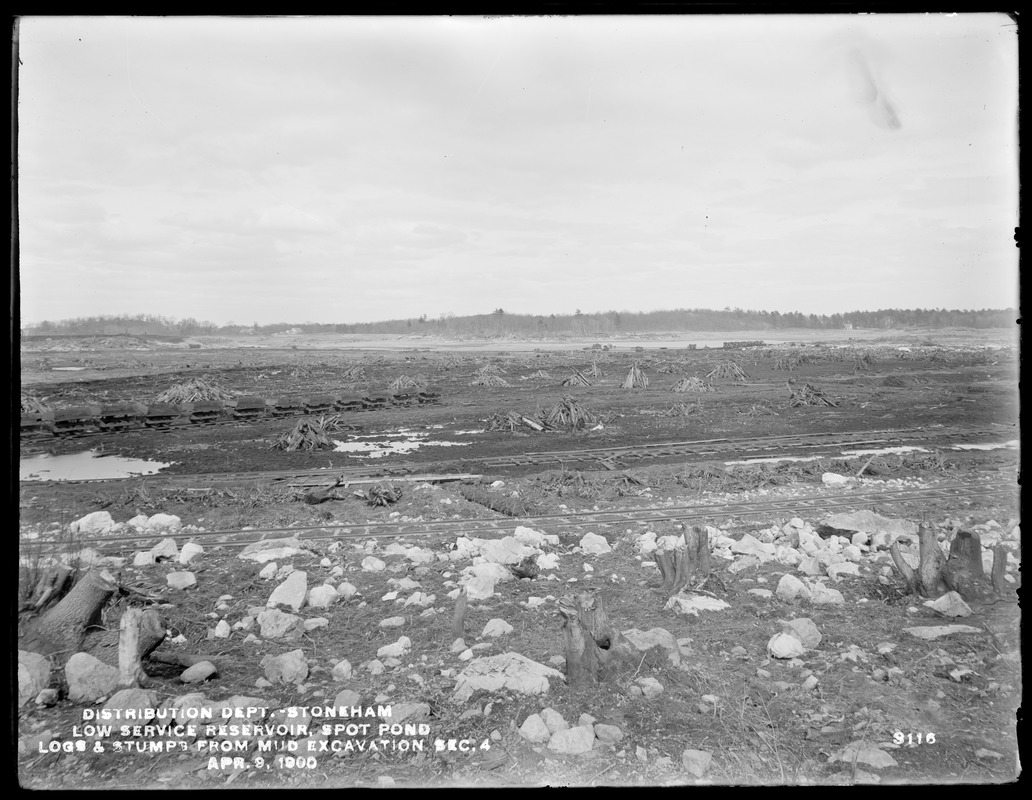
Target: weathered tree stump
<point x="595" y="650"/>
<point x="49" y="587"/>
<point x="687" y="566"/>
<point x="62" y="629"/>
<point x="113" y="647"/>
<point x="961" y="572"/>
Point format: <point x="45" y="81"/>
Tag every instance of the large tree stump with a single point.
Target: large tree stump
<point x="961" y="572"/>
<point x="112" y="647"/>
<point x="595" y="650"/>
<point x="48" y="588"/>
<point x="685" y="566"/>
<point x="62" y="630"/>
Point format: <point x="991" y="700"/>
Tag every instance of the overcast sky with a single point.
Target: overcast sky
<point x="361" y="168"/>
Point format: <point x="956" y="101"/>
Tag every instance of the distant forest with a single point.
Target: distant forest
<point x="502" y="323"/>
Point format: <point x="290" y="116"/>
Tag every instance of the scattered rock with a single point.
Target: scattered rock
<point x="276" y="624"/>
<point x="89" y="679"/>
<point x="348" y="698"/>
<point x="291" y="593"/>
<point x="189" y="552"/>
<point x="165" y="549"/>
<point x="181" y="580"/>
<point x="950" y="604"/>
<point x="142" y="558"/>
<point x="696" y="761"/>
<point x="315" y="623"/>
<point x="783" y="645"/>
<point x="650" y="687"/>
<point x="510" y="671"/>
<point x="572" y="741"/>
<point x="223" y="630"/>
<point x="199" y="672"/>
<point x="593" y="544"/>
<point x="164" y="522"/>
<point x="835" y="480"/>
<point x="268" y="572"/>
<point x="935" y="631"/>
<point x="135" y="699"/>
<point x="608" y="733"/>
<point x="790" y="589"/>
<point x="392" y="622"/>
<point x="272" y="549"/>
<point x="395" y="650"/>
<point x="643" y="641"/>
<point x="342" y="670"/>
<point x="287" y="668"/>
<point x="534" y="729"/>
<point x="804" y="630"/>
<point x="823" y="595"/>
<point x="554" y="720"/>
<point x="402" y="712"/>
<point x="98" y="522"/>
<point x="322" y="596"/>
<point x="866" y="522"/>
<point x="496" y="627"/>
<point x="694" y="603"/>
<point x="346" y="589"/>
<point x="861" y="752"/>
<point x="506" y="550"/>
<point x="751" y="546"/>
<point x="33" y="675"/>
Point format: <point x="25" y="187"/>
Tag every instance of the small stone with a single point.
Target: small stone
<point x="782" y="645"/>
<point x="189" y="552"/>
<point x="392" y="622"/>
<point x="223" y="630"/>
<point x="496" y="627"/>
<point x="291" y="593"/>
<point x="650" y="687"/>
<point x="554" y="720"/>
<point x="696" y="761"/>
<point x="342" y="670"/>
<point x="322" y="596"/>
<point x="790" y="589"/>
<point x="199" y="672"/>
<point x="572" y="741"/>
<point x="286" y="668"/>
<point x="534" y="729"/>
<point x="805" y="631"/>
<point x="268" y="572"/>
<point x="181" y="580"/>
<point x="608" y="733"/>
<point x="315" y="623"/>
<point x="593" y="544"/>
<point x="346" y="589"/>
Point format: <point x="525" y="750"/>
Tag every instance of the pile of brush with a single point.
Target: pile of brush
<point x="728" y="370"/>
<point x="512" y="421"/>
<point x="636" y="378"/>
<point x="682" y="410"/>
<point x="490" y="369"/>
<point x="568" y="413"/>
<point x="578" y="378"/>
<point x="33" y="405"/>
<point x="808" y="395"/>
<point x="300" y="372"/>
<point x="595" y="371"/>
<point x="692" y="384"/>
<point x="862" y="362"/>
<point x="488" y="380"/>
<point x="355" y="373"/>
<point x="193" y="391"/>
<point x="539" y="374"/>
<point x="786" y="364"/>
<point x="382" y="494"/>
<point x="307" y="435"/>
<point x="334" y="423"/>
<point x="405" y="382"/>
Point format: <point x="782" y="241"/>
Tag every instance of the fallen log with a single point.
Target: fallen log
<point x="63" y="629"/>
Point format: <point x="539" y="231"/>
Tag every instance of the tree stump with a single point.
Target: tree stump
<point x="459" y="617"/>
<point x="595" y="650"/>
<point x="49" y="587"/>
<point x="62" y="630"/>
<point x="687" y="566"/>
<point x="961" y="572"/>
<point x="112" y="647"/>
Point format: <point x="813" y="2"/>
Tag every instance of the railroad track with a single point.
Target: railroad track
<point x="573" y="521"/>
<point x="612" y="458"/>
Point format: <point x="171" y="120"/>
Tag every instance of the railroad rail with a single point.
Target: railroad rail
<point x="567" y="522"/>
<point x="822" y="444"/>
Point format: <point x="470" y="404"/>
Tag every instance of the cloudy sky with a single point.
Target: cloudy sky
<point x="362" y="168"/>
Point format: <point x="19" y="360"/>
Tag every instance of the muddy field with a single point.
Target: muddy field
<point x="469" y="467"/>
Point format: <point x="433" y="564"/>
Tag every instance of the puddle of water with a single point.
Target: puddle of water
<point x="1013" y="444"/>
<point x="381" y="445"/>
<point x="774" y="459"/>
<point x="67" y="369"/>
<point x="91" y="465"/>
<point x="884" y="450"/>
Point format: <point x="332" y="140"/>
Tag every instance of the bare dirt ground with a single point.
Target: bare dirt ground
<point x="762" y="720"/>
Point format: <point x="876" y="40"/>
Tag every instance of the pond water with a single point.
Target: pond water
<point x="91" y="465"/>
<point x="403" y="440"/>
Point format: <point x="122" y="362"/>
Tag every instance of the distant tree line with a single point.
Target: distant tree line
<point x="502" y="323"/>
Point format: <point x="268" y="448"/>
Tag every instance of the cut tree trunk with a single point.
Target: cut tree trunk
<point x="51" y="585"/>
<point x="110" y="646"/>
<point x="685" y="567"/>
<point x="62" y="630"/>
<point x="961" y="572"/>
<point x="595" y="650"/>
